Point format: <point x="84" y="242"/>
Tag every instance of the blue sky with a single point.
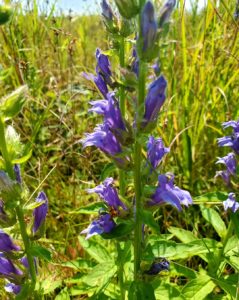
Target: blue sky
<point x="89" y="6"/>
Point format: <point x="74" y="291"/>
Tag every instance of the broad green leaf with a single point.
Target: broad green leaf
<point x="148" y="219"/>
<point x="141" y="291"/>
<point x="119" y="231"/>
<point x="78" y="264"/>
<point x="49" y="285"/>
<point x="183" y="235"/>
<point x="211" y="197"/>
<point x="215" y="220"/>
<point x="179" y="269"/>
<point x="228" y="286"/>
<point x="232" y="246"/>
<point x="234" y="262"/>
<point x="41" y="252"/>
<point x="97" y="251"/>
<point x="63" y="295"/>
<point x="83" y="289"/>
<point x="173" y="250"/>
<point x="100" y="275"/>
<point x="235" y="220"/>
<point x="166" y="291"/>
<point x="198" y="288"/>
<point x="12" y="104"/>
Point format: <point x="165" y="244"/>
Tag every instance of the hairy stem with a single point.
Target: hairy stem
<point x="137" y="172"/>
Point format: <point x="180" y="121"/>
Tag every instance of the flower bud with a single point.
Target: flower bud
<point x="127" y="8"/>
<point x="39" y="214"/>
<point x="166" y="12"/>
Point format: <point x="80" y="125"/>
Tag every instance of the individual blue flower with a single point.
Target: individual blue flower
<point x="167" y="192"/>
<point x="40" y="212"/>
<point x="109" y="108"/>
<point x="8" y="270"/>
<point x="6" y="243"/>
<point x="104" y="224"/>
<point x="103" y="66"/>
<point x="231" y="203"/>
<point x="225" y="175"/>
<point x="17" y="172"/>
<point x="166" y="12"/>
<point x="106" y="10"/>
<point x="154" y="100"/>
<point x="108" y="193"/>
<point x="99" y="82"/>
<point x="232" y="140"/>
<point x="230" y="162"/>
<point x="148" y="26"/>
<point x="12" y="288"/>
<point x="158" y="266"/>
<point x="105" y="140"/>
<point x="156" y="151"/>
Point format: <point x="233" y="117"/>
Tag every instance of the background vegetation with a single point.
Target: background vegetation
<point x="48" y="52"/>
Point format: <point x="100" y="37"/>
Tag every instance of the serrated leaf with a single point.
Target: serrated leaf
<point x="12" y="104"/>
<point x="231" y="247"/>
<point x="41" y="252"/>
<point x="215" y="220"/>
<point x="198" y="288"/>
<point x="96" y="250"/>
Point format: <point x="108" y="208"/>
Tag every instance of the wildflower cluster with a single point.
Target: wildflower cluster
<point x="230" y="162"/>
<point x="14" y="257"/>
<point x="121" y="136"/>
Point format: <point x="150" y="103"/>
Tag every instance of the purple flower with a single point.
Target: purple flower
<point x="135" y="62"/>
<point x="104" y="224"/>
<point x="156" y="151"/>
<point x="154" y="100"/>
<point x="158" y="266"/>
<point x="99" y="82"/>
<point x="231" y="203"/>
<point x="6" y="243"/>
<point x="106" y="10"/>
<point x="229" y="161"/>
<point x="111" y="111"/>
<point x="166" y="12"/>
<point x="232" y="140"/>
<point x="225" y="175"/>
<point x="25" y="262"/>
<point x="12" y="288"/>
<point x="167" y="192"/>
<point x="8" y="270"/>
<point x="40" y="211"/>
<point x="103" y="66"/>
<point x="148" y="26"/>
<point x="17" y="172"/>
<point x="109" y="194"/>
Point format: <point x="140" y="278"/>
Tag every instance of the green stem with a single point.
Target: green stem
<point x="137" y="173"/>
<point x="27" y="245"/>
<point x="19" y="211"/>
<point x="120" y="270"/>
<point x="122" y="182"/>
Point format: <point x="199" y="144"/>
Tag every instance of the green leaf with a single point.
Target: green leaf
<point x="89" y="209"/>
<point x="78" y="264"/>
<point x="235" y="221"/>
<point x="228" y="286"/>
<point x="215" y="220"/>
<point x="141" y="291"/>
<point x="25" y="292"/>
<point x="107" y="171"/>
<point x="178" y="269"/>
<point x="12" y="104"/>
<point x="211" y="197"/>
<point x="41" y="252"/>
<point x="63" y="295"/>
<point x="198" y="288"/>
<point x="48" y="285"/>
<point x="119" y="231"/>
<point x="96" y="250"/>
<point x="166" y="291"/>
<point x="148" y="219"/>
<point x="234" y="262"/>
<point x="183" y="235"/>
<point x="231" y="247"/>
<point x="22" y="159"/>
<point x="162" y="248"/>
